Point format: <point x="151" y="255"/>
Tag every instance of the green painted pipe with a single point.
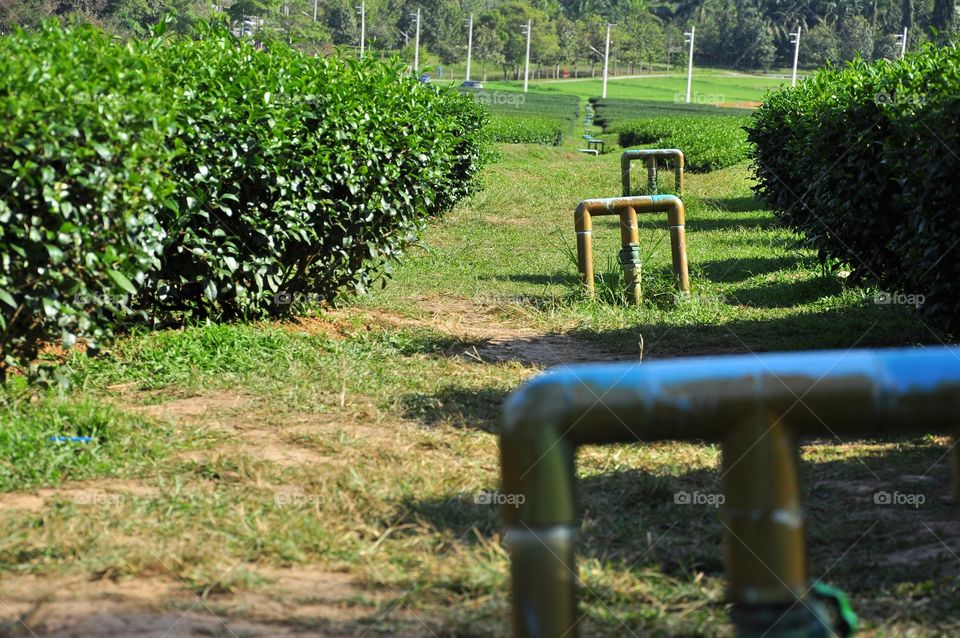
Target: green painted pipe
<point x="650" y="157"/>
<point x="749" y="404"/>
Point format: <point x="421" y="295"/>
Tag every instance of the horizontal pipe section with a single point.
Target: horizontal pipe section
<point x="628" y="208"/>
<point x="650" y="156"/>
<point x="756" y="405"/>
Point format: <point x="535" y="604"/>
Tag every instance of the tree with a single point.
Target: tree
<point x="486" y="44"/>
<point x="753" y="40"/>
<point x="856" y="36"/>
<point x="342" y="20"/>
<point x="943" y="19"/>
<point x="819" y="45"/>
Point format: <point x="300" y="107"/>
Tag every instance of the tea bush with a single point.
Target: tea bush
<point x="204" y="177"/>
<point x="525" y="130"/>
<point x="82" y="180"/>
<point x="611" y="112"/>
<point x="861" y="160"/>
<point x="708" y="142"/>
<point x="516" y="103"/>
<point x="298" y="177"/>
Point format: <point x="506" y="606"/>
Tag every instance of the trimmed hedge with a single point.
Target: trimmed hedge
<point x="525" y="130"/>
<point x="300" y="176"/>
<point x="708" y="142"/>
<point x="82" y="177"/>
<point x="518" y="103"/>
<point x="611" y="112"/>
<point x="205" y="177"/>
<point x="862" y="162"/>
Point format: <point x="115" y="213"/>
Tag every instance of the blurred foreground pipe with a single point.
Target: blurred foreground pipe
<point x="650" y="157"/>
<point x="757" y="407"/>
<point x="628" y="208"/>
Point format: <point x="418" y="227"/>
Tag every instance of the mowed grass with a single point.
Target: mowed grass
<point x="708" y="87"/>
<point x="356" y="441"/>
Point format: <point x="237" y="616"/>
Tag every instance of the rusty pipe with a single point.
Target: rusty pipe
<point x="746" y="402"/>
<point x="650" y="157"/>
<point x="628" y="208"/>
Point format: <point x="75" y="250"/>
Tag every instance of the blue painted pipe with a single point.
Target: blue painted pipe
<point x="734" y="399"/>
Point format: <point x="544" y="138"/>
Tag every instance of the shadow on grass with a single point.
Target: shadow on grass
<point x="733" y="270"/>
<point x="785" y="294"/>
<point x="457" y="407"/>
<point x="560" y="277"/>
<point x="735" y="204"/>
<point x="895" y="557"/>
<point x="861" y="326"/>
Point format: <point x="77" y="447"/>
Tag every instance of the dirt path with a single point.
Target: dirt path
<point x="490" y="338"/>
<point x="298" y="601"/>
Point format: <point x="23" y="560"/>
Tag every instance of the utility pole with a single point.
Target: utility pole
<point x="902" y="37"/>
<point x="469" y="46"/>
<point x="315" y="2"/>
<point x="526" y="67"/>
<point x="363" y="24"/>
<point x="795" y="39"/>
<point x="690" y="35"/>
<point x="416" y="44"/>
<point x="606" y="61"/>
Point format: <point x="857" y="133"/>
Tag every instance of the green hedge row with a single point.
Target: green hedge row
<point x="517" y="103"/>
<point x="526" y="130"/>
<point x="863" y="161"/>
<point x="708" y="142"/>
<point x="610" y="112"/>
<point x="206" y="177"/>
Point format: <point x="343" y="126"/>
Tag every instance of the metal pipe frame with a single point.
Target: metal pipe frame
<point x="748" y="403"/>
<point x="628" y="208"/>
<point x="650" y="157"/>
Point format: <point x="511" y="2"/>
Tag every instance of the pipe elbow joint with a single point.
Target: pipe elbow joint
<point x="537" y="480"/>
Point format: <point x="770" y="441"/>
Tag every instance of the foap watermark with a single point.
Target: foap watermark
<point x="287" y="298"/>
<point x="96" y="498"/>
<point x="899" y="299"/>
<point x="698" y="98"/>
<point x="296" y="500"/>
<point x="698" y="498"/>
<point x="496" y="498"/>
<point x="892" y="98"/>
<point x="501" y="98"/>
<point x="102" y="299"/>
<point x="899" y="498"/>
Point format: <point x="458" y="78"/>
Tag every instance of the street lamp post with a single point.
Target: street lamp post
<point x="363" y="24"/>
<point x="690" y="35"/>
<point x="526" y="66"/>
<point x="902" y="37"/>
<point x="416" y="44"/>
<point x="606" y="61"/>
<point x="469" y="46"/>
<point x="795" y="39"/>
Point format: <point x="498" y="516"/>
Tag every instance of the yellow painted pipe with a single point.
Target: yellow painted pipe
<point x="650" y="157"/>
<point x="628" y="208"/>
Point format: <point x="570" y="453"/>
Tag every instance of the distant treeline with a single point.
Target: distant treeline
<point x="567" y="34"/>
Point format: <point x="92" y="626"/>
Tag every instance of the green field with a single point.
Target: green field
<point x="709" y="87"/>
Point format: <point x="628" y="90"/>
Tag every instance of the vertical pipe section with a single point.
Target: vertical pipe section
<point x="763" y="519"/>
<point x="630" y="254"/>
<point x="650" y="157"/>
<point x="584" y="226"/>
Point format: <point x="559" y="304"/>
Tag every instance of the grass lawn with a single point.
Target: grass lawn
<point x="318" y="476"/>
<point x="709" y="87"/>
